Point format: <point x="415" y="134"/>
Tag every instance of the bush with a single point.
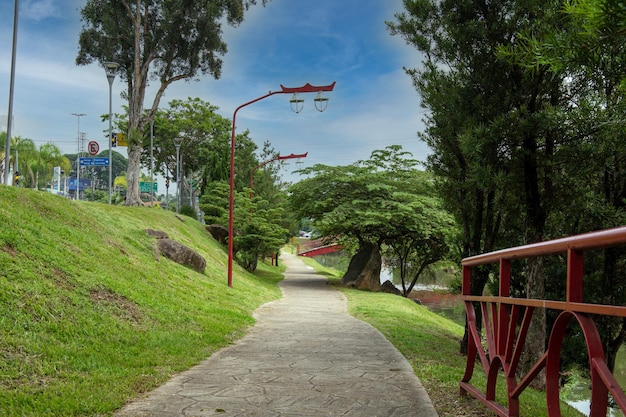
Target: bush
<point x="189" y="211"/>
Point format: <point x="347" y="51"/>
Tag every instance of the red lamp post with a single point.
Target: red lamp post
<point x="320" y="104"/>
<point x="278" y="158"/>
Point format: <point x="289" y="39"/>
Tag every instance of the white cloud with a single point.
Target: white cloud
<point x="374" y="103"/>
<point x="39" y="10"/>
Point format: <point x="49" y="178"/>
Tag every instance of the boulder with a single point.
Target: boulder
<point x="219" y="232"/>
<point x="181" y="254"/>
<point x="388" y="287"/>
<point x="157" y="234"/>
<point x="177" y="252"/>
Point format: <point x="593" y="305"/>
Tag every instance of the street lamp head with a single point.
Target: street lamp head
<point x="321" y="102"/>
<point x="110" y="68"/>
<point x="296" y="103"/>
<point x="177" y="142"/>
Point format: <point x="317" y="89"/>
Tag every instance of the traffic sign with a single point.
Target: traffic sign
<point x="96" y="162"/>
<point x="144" y="186"/>
<point x="118" y="139"/>
<point x="93" y="147"/>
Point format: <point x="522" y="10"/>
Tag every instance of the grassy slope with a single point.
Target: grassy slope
<point x="90" y="315"/>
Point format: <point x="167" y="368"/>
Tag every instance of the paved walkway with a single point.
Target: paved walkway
<point x="305" y="356"/>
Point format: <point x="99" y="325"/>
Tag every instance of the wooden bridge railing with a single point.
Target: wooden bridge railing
<point x="505" y="334"/>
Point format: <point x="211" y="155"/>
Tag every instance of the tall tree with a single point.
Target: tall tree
<point x="25" y="153"/>
<point x="204" y="150"/>
<point x="488" y="122"/>
<point x="383" y="200"/>
<point x="161" y="40"/>
<point x="590" y="52"/>
<point x="50" y="156"/>
<point x="259" y="229"/>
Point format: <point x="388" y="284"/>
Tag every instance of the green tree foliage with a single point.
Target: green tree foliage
<point x="261" y="236"/>
<point x="423" y="232"/>
<point x="381" y="201"/>
<point x="214" y="203"/>
<point x="155" y="40"/>
<point x="588" y="54"/>
<point x="205" y="145"/>
<point x="490" y="125"/>
<point x="258" y="224"/>
<point x="516" y="93"/>
<point x="36" y="165"/>
<point x="49" y="157"/>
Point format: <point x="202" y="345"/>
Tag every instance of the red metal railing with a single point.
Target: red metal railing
<point x="505" y="335"/>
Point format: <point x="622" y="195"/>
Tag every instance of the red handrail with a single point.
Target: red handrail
<point x="506" y="335"/>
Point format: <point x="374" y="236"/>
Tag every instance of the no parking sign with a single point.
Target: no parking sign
<point x="93" y="147"/>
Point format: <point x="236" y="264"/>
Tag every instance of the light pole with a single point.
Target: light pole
<point x="320" y="104"/>
<point x="277" y="158"/>
<point x="78" y="116"/>
<point x="109" y="69"/>
<point x="177" y="142"/>
<point x="7" y="152"/>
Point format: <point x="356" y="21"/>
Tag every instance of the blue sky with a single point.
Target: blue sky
<point x="289" y="42"/>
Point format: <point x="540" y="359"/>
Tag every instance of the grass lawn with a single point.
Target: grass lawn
<point x="91" y="315"/>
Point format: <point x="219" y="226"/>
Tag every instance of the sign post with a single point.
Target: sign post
<point x="93" y="149"/>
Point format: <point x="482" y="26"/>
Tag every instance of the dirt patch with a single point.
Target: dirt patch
<point x="117" y="304"/>
<point x="117" y="246"/>
<point x="61" y="279"/>
<point x="436" y="299"/>
<point x="8" y="248"/>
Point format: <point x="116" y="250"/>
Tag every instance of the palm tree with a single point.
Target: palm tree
<point x="49" y="157"/>
<point x="25" y="153"/>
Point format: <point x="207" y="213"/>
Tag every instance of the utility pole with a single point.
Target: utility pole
<point x="7" y="153"/>
<point x="78" y="116"/>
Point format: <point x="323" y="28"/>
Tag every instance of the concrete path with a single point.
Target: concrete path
<point x="305" y="356"/>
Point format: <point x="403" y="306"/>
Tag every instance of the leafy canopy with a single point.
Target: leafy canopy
<point x="385" y="200"/>
<point x="155" y="40"/>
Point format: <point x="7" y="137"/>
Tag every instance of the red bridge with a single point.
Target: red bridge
<point x="316" y="247"/>
<point x="506" y="335"/>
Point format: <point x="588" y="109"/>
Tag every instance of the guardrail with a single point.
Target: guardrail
<point x="505" y="334"/>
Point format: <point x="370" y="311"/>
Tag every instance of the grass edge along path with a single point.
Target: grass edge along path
<point x="92" y="316"/>
<point x="430" y="343"/>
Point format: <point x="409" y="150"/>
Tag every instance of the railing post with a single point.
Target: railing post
<point x="467" y="276"/>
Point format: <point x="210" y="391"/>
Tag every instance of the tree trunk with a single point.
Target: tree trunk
<point x="364" y="269"/>
<point x="612" y="329"/>
<point x="536" y="339"/>
<point x="132" y="176"/>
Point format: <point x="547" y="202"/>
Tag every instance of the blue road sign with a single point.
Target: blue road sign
<point x="96" y="162"/>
